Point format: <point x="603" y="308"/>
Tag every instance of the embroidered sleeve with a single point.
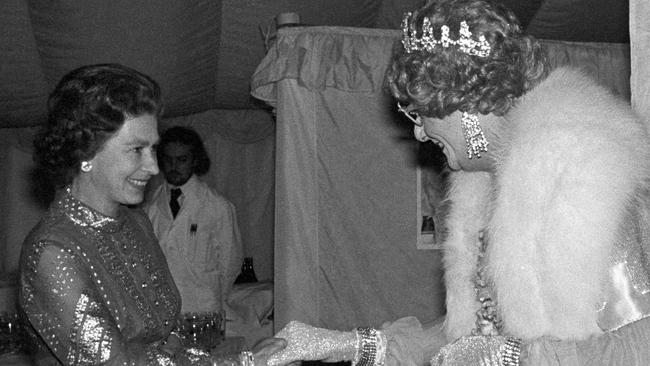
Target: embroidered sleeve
<point x="62" y="303"/>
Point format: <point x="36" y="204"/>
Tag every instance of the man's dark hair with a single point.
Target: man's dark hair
<point x="189" y="137"/>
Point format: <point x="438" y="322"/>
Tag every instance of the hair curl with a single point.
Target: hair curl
<point x="86" y="108"/>
<point x="448" y="80"/>
<point x="189" y="137"/>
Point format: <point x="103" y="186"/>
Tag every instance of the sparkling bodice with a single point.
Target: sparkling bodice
<point x="96" y="289"/>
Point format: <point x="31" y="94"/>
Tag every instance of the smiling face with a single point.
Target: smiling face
<point x="121" y="168"/>
<point x="448" y="134"/>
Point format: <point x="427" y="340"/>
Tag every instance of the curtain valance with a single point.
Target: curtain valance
<point x="354" y="60"/>
<point x="347" y="59"/>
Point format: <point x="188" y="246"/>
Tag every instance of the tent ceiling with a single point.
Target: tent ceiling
<point x="203" y="52"/>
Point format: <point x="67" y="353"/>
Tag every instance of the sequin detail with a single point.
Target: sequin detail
<point x="84" y="216"/>
<point x="89" y="334"/>
<point x="121" y="258"/>
<point x="626" y="290"/>
<point x="310" y="343"/>
<point x="474" y="351"/>
<point x="93" y="284"/>
<point x="488" y="321"/>
<point x="158" y="358"/>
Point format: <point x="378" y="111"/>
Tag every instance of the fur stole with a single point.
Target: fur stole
<point x="569" y="164"/>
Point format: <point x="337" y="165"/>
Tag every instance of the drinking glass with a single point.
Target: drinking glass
<point x="202" y="330"/>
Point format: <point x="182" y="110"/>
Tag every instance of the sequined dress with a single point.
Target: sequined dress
<point x="96" y="289"/>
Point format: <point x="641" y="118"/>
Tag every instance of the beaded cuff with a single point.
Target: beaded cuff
<point x="371" y="347"/>
<point x="511" y="352"/>
<point x="367" y="341"/>
<point x="382" y="344"/>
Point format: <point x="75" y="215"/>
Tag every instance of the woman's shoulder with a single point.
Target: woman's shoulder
<point x="54" y="233"/>
<point x="52" y="227"/>
<point x="573" y="87"/>
<point x="570" y="101"/>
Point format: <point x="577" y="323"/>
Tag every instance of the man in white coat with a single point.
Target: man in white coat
<point x="196" y="226"/>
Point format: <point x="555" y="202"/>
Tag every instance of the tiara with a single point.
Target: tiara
<point x="428" y="42"/>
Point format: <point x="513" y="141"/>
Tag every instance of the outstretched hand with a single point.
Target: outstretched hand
<point x="472" y="350"/>
<point x="308" y="343"/>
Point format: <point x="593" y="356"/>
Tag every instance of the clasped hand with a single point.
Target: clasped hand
<point x="301" y="342"/>
<point x="472" y="350"/>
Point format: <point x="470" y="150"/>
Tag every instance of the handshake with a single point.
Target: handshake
<point x="301" y="342"/>
<point x="367" y="347"/>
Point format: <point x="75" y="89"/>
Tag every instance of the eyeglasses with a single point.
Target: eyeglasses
<point x="412" y="115"/>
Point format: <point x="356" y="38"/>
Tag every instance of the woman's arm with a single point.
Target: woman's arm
<point x="403" y="342"/>
<point x="63" y="305"/>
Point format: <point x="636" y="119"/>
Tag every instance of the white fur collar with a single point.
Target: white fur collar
<point x="569" y="165"/>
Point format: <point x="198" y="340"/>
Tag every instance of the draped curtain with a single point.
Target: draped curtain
<point x="346" y="224"/>
<point x="346" y="197"/>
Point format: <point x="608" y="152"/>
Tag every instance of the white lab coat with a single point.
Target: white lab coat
<point x="202" y="245"/>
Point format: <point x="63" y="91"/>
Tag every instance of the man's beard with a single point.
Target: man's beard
<point x="177" y="179"/>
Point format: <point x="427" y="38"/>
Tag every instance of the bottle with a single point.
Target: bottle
<point x="247" y="272"/>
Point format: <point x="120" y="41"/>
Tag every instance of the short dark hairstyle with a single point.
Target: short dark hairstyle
<point x="447" y="80"/>
<point x="86" y="108"/>
<point x="186" y="136"/>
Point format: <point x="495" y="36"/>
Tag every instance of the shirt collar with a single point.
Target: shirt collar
<point x="189" y="186"/>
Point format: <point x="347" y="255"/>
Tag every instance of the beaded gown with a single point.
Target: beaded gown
<point x="96" y="289"/>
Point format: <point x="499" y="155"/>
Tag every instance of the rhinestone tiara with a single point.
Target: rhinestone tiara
<point x="427" y="42"/>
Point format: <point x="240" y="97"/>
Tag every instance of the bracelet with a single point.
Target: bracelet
<point x="366" y="347"/>
<point x="382" y="345"/>
<point x="246" y="358"/>
<point x="510" y="355"/>
<point x="357" y="348"/>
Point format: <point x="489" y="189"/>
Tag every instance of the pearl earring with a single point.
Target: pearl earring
<point x="86" y="166"/>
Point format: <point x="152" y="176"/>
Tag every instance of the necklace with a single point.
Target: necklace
<point x="488" y="321"/>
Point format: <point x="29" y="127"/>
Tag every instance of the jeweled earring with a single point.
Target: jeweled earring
<point x="474" y="137"/>
<point x="86" y="166"/>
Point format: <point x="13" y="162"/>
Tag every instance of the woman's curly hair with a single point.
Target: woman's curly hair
<point x="448" y="80"/>
<point x="85" y="109"/>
